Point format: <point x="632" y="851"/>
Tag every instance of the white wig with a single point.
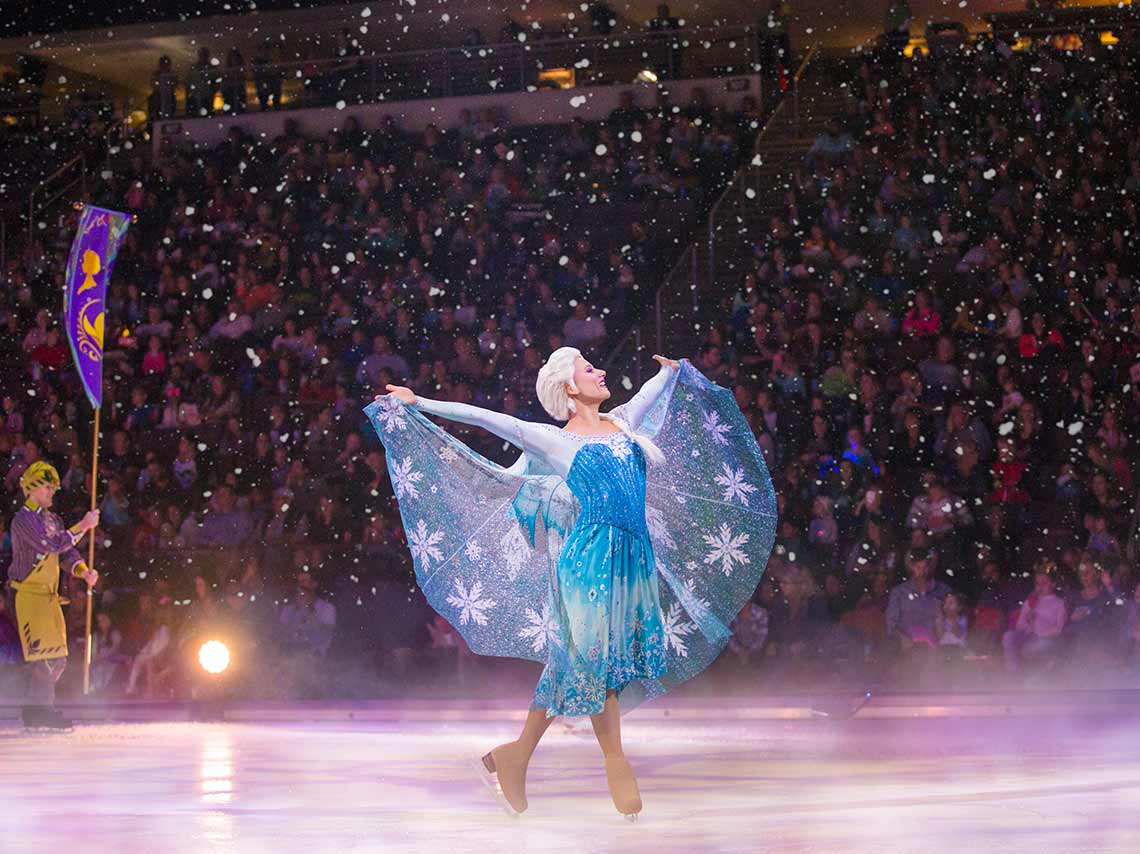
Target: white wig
<point x="556" y="381"/>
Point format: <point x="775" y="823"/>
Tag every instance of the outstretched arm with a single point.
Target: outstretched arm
<point x="537" y="439"/>
<point x="649" y="393"/>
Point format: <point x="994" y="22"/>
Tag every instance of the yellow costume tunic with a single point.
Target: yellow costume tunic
<point x="39" y="541"/>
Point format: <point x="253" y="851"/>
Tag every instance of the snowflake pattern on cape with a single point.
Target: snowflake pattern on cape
<point x="405" y="478"/>
<point x="735" y="486"/>
<point x="714" y="427"/>
<point x="391" y="414"/>
<point x="658" y="530"/>
<point x="515" y="550"/>
<point x="676" y="628"/>
<point x="472" y="606"/>
<point x="541" y="629"/>
<point x="473" y="551"/>
<point x="691" y="589"/>
<point x="423" y="544"/>
<point x="727" y="548"/>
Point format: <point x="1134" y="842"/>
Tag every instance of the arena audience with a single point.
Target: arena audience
<point x="936" y="340"/>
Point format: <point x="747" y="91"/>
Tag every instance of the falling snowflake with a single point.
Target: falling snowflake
<point x="658" y="533"/>
<point x="734" y="484"/>
<point x="448" y="454"/>
<point x="405" y="478"/>
<point x="675" y="628"/>
<point x="712" y="425"/>
<point x="472" y="607"/>
<point x="391" y="414"/>
<point x="423" y="545"/>
<point x="541" y="629"/>
<point x="727" y="548"/>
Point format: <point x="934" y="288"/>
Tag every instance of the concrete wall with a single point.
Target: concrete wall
<point x="545" y="107"/>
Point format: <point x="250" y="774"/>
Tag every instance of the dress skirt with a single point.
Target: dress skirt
<point x="610" y="620"/>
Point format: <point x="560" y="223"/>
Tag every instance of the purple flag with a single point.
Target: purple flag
<point x="88" y="270"/>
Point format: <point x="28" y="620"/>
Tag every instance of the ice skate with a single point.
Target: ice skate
<point x="504" y="771"/>
<point x="623" y="786"/>
<point x="43" y="718"/>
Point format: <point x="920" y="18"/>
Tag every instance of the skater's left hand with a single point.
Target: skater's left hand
<point x="90" y="576"/>
<point x="672" y="363"/>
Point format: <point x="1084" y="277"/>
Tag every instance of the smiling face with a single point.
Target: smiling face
<point x="590" y="382"/>
<point x="44" y="494"/>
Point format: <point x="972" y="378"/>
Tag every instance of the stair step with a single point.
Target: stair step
<point x="741" y="220"/>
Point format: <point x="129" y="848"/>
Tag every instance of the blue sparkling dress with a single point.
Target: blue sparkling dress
<point x="608" y="607"/>
<point x="617" y="575"/>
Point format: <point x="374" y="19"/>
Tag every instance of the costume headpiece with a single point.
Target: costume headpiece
<point x="38" y="474"/>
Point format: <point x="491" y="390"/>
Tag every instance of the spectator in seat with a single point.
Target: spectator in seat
<point x="1091" y="610"/>
<point x="1040" y="621"/>
<point x="309" y="621"/>
<point x="224" y="523"/>
<point x="913" y="606"/>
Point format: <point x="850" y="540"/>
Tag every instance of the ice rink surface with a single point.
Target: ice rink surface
<point x="710" y="782"/>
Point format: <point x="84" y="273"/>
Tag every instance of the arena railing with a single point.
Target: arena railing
<point x="505" y="67"/>
<point x="66" y="184"/>
<point x="686" y="272"/>
<point x="786" y="116"/>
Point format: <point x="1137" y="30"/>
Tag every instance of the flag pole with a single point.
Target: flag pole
<point x="91" y="558"/>
<point x="93" y="252"/>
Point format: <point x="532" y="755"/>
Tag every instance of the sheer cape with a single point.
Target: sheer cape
<point x="485" y="539"/>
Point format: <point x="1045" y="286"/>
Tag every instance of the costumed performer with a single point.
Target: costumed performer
<point x="657" y="521"/>
<point x="41" y="548"/>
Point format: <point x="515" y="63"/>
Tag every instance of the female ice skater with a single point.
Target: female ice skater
<point x="657" y="521"/>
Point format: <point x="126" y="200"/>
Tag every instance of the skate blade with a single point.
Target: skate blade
<point x="491" y="781"/>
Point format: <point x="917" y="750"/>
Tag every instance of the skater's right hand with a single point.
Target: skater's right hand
<point x="401" y="393"/>
<point x="89" y="521"/>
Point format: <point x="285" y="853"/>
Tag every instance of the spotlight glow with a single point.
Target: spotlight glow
<point x="214" y="656"/>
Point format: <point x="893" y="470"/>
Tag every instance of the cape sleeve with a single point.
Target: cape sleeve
<point x="711" y="513"/>
<point x="480" y="555"/>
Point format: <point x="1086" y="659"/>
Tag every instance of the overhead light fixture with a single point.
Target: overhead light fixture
<point x="562" y="78"/>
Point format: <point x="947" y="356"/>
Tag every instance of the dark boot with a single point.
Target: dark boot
<point x="58" y="721"/>
<point x="43" y="717"/>
<point x="35" y="716"/>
